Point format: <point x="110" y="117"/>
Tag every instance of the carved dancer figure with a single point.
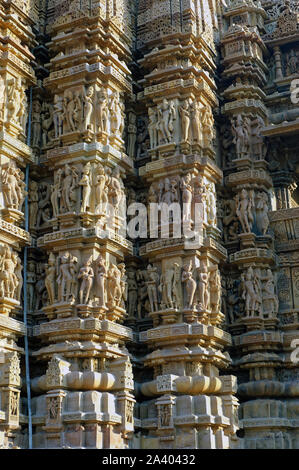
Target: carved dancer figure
<point x="215" y="290"/>
<point x="102" y="110"/>
<point x="190" y="285"/>
<point x="165" y="287"/>
<point x="69" y="185"/>
<point x="50" y="270"/>
<point x="203" y="287"/>
<point x="114" y="289"/>
<point x="249" y="293"/>
<point x="207" y="122"/>
<point x="116" y="115"/>
<point x="86" y="188"/>
<point x="58" y="115"/>
<point x="101" y="194"/>
<point x="240" y="137"/>
<point x="187" y="194"/>
<point x="86" y="274"/>
<point x="56" y="192"/>
<point x="153" y="127"/>
<point x="33" y="203"/>
<point x="101" y="275"/>
<point x="19" y="278"/>
<point x="269" y="294"/>
<point x="151" y="283"/>
<point x="88" y="107"/>
<point x="64" y="279"/>
<point x="166" y="116"/>
<point x="176" y="287"/>
<point x="131" y="134"/>
<point x="132" y="293"/>
<point x="262" y="210"/>
<point x="244" y="208"/>
<point x="185" y="120"/>
<point x="31" y="282"/>
<point x="195" y="119"/>
<point x="36" y="123"/>
<point x="211" y="205"/>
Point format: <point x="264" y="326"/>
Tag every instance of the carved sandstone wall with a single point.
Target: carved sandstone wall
<point x="158" y="340"/>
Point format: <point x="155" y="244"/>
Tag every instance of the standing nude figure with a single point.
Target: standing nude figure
<point x="88" y="106"/>
<point x="50" y="270"/>
<point x="244" y="210"/>
<point x="101" y="275"/>
<point x="166" y="283"/>
<point x="86" y="188"/>
<point x="203" y="287"/>
<point x="185" y="120"/>
<point x="86" y="274"/>
<point x="101" y="194"/>
<point x="64" y="279"/>
<point x="151" y="283"/>
<point x="187" y="192"/>
<point x="152" y="127"/>
<point x="56" y="192"/>
<point x="190" y="284"/>
<point x="58" y="116"/>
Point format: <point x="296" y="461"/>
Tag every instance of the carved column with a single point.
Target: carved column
<point x="84" y="383"/>
<point x="252" y="274"/>
<point x="187" y="404"/>
<point x="16" y="75"/>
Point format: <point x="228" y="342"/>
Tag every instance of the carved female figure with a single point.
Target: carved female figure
<point x="132" y="293"/>
<point x="166" y="115"/>
<point x="262" y="209"/>
<point x="33" y="203"/>
<point x="187" y="193"/>
<point x="56" y="192"/>
<point x="102" y="110"/>
<point x="114" y="286"/>
<point x="19" y="277"/>
<point x="244" y="210"/>
<point x="211" y="205"/>
<point x="88" y="106"/>
<point x="85" y="183"/>
<point x="203" y="287"/>
<point x="36" y="123"/>
<point x="195" y="119"/>
<point x="64" y="278"/>
<point x="151" y="283"/>
<point x="249" y="293"/>
<point x="165" y="287"/>
<point x="269" y="294"/>
<point x="152" y="127"/>
<point x="101" y="194"/>
<point x="190" y="285"/>
<point x="50" y="270"/>
<point x="101" y="274"/>
<point x="215" y="290"/>
<point x="86" y="274"/>
<point x="185" y="120"/>
<point x="58" y="115"/>
<point x="176" y="286"/>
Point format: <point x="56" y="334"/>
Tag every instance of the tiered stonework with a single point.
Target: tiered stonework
<point x="16" y="75"/>
<point x="83" y="383"/>
<point x="149" y="164"/>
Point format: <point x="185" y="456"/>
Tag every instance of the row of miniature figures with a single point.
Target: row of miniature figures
<point x="86" y="109"/>
<point x="101" y="188"/>
<point x="251" y="295"/>
<point x="104" y="284"/>
<point x="177" y="287"/>
<point x="96" y="282"/>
